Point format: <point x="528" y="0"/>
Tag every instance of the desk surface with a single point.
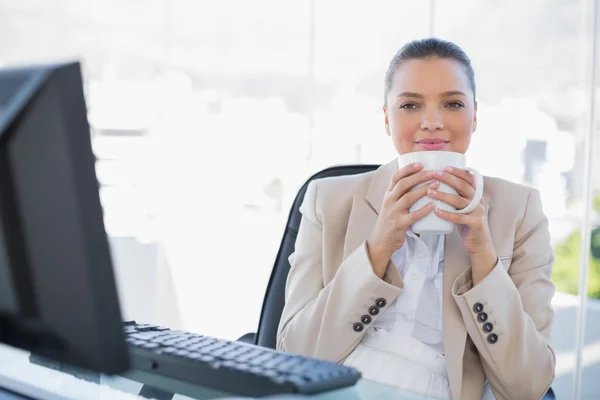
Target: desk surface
<point x="18" y="375"/>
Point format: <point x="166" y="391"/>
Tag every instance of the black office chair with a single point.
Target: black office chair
<point x="275" y="295"/>
<point x="274" y="300"/>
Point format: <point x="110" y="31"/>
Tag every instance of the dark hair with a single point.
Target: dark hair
<point x="428" y="48"/>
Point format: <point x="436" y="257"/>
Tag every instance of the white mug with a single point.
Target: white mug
<point x="437" y="161"/>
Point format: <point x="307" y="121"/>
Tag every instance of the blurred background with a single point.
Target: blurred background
<point x="208" y="116"/>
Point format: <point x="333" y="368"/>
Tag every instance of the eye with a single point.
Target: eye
<point x="408" y="106"/>
<point x="454" y="104"/>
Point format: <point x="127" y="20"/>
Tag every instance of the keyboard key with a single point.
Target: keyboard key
<point x="261" y="359"/>
<point x="222" y="351"/>
<point x="234" y="354"/>
<point x="168" y="336"/>
<point x="250" y="355"/>
<point x="146" y="328"/>
<point x="146" y="335"/>
<point x="129" y="323"/>
<point x="228" y="364"/>
<point x="212" y="347"/>
<point x="161" y="329"/>
<point x="287" y="364"/>
<point x="201" y="344"/>
<point x="206" y="358"/>
<point x="186" y="343"/>
<point x="242" y="367"/>
<point x="270" y="373"/>
<point x="272" y="363"/>
<point x="150" y="345"/>
<point x="256" y="370"/>
<point x="169" y="350"/>
<point x="182" y="333"/>
<point x="174" y="341"/>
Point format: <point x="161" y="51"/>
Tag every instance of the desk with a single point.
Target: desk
<point x="19" y="375"/>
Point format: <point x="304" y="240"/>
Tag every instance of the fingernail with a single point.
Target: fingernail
<point x="448" y="169"/>
<point x="434" y="184"/>
<point x="431" y="191"/>
<point x="418" y="165"/>
<point x="437" y="173"/>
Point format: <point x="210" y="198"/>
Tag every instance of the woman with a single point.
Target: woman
<point x="445" y="316"/>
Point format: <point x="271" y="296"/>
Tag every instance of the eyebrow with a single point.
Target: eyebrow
<point x="420" y="96"/>
<point x="453" y="93"/>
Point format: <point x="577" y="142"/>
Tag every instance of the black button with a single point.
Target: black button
<point x="488" y="327"/>
<point x="482" y="317"/>
<point x="365" y="319"/>
<point x="478" y="307"/>
<point x="380" y="302"/>
<point x="492" y="338"/>
<point x="358" y="327"/>
<point x="373" y="310"/>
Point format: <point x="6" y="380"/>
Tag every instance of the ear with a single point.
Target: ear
<point x="475" y="119"/>
<point x="386" y="121"/>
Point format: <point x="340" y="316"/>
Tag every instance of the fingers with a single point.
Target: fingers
<point x="463" y="187"/>
<point x="463" y="174"/>
<point x="472" y="221"/>
<point x="413" y="196"/>
<point x="407" y="183"/>
<point x="403" y="172"/>
<point x="420" y="213"/>
<point x="455" y="201"/>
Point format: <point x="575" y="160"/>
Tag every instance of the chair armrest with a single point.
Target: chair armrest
<point x="248" y="338"/>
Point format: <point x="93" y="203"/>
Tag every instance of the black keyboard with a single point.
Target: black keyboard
<point x="233" y="367"/>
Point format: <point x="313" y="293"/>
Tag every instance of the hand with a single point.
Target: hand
<point x="389" y="233"/>
<point x="473" y="227"/>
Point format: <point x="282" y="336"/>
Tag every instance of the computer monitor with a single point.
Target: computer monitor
<point x="58" y="297"/>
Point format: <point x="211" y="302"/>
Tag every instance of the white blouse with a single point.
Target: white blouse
<point x="417" y="311"/>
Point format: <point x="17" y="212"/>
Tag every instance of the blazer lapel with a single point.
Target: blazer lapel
<point x="456" y="261"/>
<point x="365" y="210"/>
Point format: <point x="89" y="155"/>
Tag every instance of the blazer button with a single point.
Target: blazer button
<point x="482" y="317"/>
<point x="492" y="338"/>
<point x="380" y="302"/>
<point x="478" y="307"/>
<point x="365" y="319"/>
<point x="373" y="310"/>
<point x="488" y="327"/>
<point x="358" y="327"/>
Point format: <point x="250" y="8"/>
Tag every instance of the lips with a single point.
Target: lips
<point x="432" y="143"/>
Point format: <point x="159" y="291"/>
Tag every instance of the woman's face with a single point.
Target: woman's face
<point x="430" y="106"/>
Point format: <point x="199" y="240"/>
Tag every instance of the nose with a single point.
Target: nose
<point x="432" y="121"/>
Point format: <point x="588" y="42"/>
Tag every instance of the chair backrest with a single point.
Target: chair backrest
<point x="274" y="300"/>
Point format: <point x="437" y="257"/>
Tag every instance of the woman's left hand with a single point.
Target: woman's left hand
<point x="473" y="226"/>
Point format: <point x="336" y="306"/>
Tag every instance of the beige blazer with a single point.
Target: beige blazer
<point x="331" y="284"/>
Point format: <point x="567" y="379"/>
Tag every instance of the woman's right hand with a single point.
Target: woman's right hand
<point x="389" y="233"/>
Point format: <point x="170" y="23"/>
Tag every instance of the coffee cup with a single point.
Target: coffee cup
<point x="437" y="161"/>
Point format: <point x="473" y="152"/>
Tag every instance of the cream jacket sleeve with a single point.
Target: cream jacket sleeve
<point x="509" y="315"/>
<point x="319" y="317"/>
